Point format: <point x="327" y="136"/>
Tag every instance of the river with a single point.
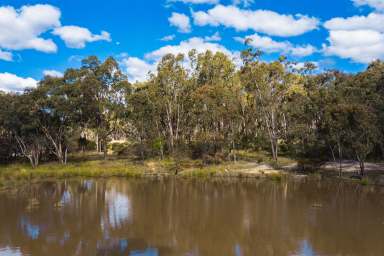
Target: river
<point x="145" y="217"/>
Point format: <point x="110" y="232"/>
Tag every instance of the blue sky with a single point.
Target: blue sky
<point x="46" y="37"/>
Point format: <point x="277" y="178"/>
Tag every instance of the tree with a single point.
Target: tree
<point x="269" y="84"/>
<point x="57" y="114"/>
<point x="167" y="89"/>
<point x="108" y="85"/>
<point x="20" y="119"/>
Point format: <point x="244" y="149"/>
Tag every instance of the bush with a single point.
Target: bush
<point x="202" y="149"/>
<point x="7" y="149"/>
<point x="119" y="148"/>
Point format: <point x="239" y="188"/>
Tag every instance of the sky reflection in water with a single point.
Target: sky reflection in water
<point x="191" y="218"/>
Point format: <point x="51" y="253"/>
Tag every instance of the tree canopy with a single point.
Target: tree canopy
<point x="203" y="105"/>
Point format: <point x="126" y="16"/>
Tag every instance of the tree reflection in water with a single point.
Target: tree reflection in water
<point x="180" y="217"/>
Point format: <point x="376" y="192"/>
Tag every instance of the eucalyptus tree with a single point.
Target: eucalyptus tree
<point x="372" y="79"/>
<point x="19" y="118"/>
<point x="143" y="124"/>
<point x="168" y="92"/>
<point x="215" y="96"/>
<point x="363" y="128"/>
<point x="104" y="87"/>
<point x="58" y="114"/>
<point x="269" y="84"/>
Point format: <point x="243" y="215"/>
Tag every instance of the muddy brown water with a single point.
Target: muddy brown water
<point x="184" y="217"/>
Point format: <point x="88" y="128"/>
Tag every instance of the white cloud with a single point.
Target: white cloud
<point x="197" y="43"/>
<point x="377" y="4"/>
<point x="373" y="21"/>
<point x="268" y="45"/>
<point x="22" y="28"/>
<point x="213" y="38"/>
<point x="168" y="38"/>
<point x="137" y="69"/>
<point x="196" y="1"/>
<point x="245" y="3"/>
<point x="53" y="73"/>
<point x="77" y="37"/>
<point x="301" y="65"/>
<point x="264" y="21"/>
<point x="359" y="38"/>
<point x="302" y="50"/>
<point x="76" y="58"/>
<point x="7" y="56"/>
<point x="12" y="83"/>
<point x="361" y="46"/>
<point x="181" y="21"/>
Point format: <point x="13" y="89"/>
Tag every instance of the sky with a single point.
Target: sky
<point x="39" y="38"/>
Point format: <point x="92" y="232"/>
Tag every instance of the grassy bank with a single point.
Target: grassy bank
<point x="18" y="173"/>
<point x="92" y="167"/>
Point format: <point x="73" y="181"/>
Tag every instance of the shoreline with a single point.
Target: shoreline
<point x="16" y="175"/>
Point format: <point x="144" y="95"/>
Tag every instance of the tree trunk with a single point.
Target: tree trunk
<point x="340" y="159"/>
<point x="32" y="162"/>
<point x="105" y="149"/>
<point x="162" y="152"/>
<point x="274" y="149"/>
<point x="362" y="164"/>
<point x="97" y="143"/>
<point x="31" y="152"/>
<point x="362" y="167"/>
<point x="65" y="155"/>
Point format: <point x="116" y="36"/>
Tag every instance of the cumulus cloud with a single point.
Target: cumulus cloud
<point x="137" y="69"/>
<point x="196" y="1"/>
<point x="181" y="21"/>
<point x="359" y="38"/>
<point x="301" y="65"/>
<point x="361" y="46"/>
<point x="376" y="4"/>
<point x="374" y="21"/>
<point x="168" y="38"/>
<point x="245" y="3"/>
<point x="22" y="28"/>
<point x="7" y="56"/>
<point x="197" y="43"/>
<point x="215" y="37"/>
<point x="263" y="21"/>
<point x="12" y="83"/>
<point x="26" y="28"/>
<point x="77" y="37"/>
<point x="268" y="45"/>
<point x="53" y="73"/>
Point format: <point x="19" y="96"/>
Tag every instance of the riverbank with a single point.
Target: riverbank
<point x="92" y="167"/>
<point x="250" y="165"/>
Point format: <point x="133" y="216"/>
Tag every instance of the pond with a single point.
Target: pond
<point x="192" y="217"/>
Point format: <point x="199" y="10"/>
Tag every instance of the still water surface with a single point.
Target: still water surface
<point x="178" y="217"/>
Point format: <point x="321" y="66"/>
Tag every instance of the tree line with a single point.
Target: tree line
<point x="201" y="105"/>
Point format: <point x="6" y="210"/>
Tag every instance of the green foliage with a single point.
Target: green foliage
<point x="200" y="106"/>
<point x="364" y="182"/>
<point x="119" y="148"/>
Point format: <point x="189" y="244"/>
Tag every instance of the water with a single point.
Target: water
<point x="180" y="217"/>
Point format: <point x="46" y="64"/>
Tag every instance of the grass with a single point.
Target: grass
<point x="14" y="174"/>
<point x="264" y="157"/>
<point x="205" y="172"/>
<point x="90" y="165"/>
